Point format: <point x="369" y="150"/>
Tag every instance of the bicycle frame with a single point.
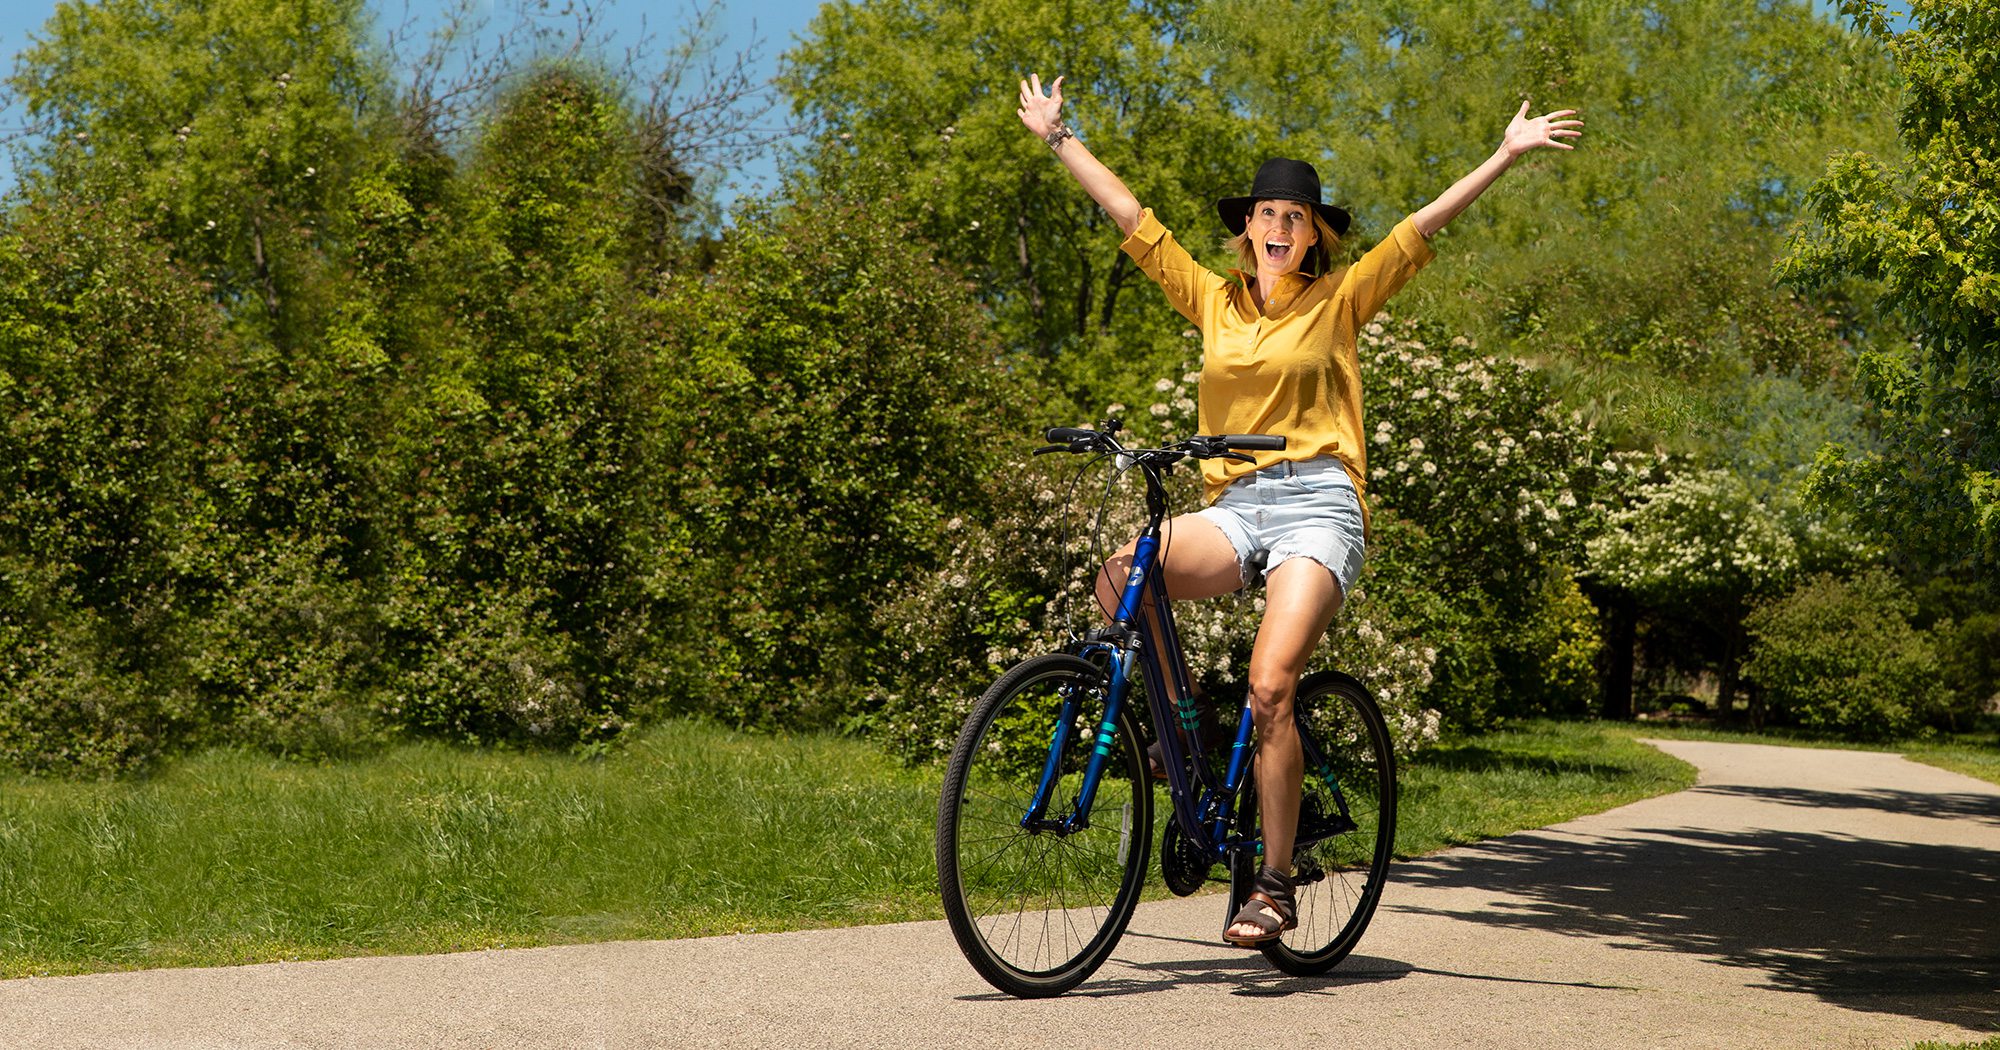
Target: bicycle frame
<point x="1155" y="646"/>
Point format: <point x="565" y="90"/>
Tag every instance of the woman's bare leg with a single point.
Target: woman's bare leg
<point x="1198" y="561"/>
<point x="1300" y="600"/>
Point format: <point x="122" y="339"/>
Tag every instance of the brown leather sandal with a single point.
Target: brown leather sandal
<point x="1270" y="907"/>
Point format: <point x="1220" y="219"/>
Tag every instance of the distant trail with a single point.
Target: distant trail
<point x="1793" y="898"/>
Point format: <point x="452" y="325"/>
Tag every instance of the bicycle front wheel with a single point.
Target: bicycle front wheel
<point x="1347" y="824"/>
<point x="1037" y="907"/>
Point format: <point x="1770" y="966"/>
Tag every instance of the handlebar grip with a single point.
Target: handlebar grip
<point x="1068" y="434"/>
<point x="1256" y="442"/>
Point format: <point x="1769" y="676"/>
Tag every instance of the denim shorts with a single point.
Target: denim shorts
<point x="1294" y="510"/>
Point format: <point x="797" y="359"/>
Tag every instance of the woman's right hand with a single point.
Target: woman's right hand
<point x="1040" y="112"/>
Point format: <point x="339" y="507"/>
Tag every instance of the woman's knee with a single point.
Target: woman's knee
<point x="1271" y="693"/>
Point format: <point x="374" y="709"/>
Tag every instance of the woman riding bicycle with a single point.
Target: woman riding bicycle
<point x="1278" y="357"/>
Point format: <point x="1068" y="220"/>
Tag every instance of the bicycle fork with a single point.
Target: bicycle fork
<point x="1036" y="818"/>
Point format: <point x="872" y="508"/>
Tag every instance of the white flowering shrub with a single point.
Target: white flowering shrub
<point x="1473" y="449"/>
<point x="1696" y="539"/>
<point x="1483" y="491"/>
<point x="947" y="635"/>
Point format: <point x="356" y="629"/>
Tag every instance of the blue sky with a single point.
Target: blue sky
<point x="777" y="22"/>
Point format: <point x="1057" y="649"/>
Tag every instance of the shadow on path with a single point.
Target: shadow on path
<point x="1984" y="809"/>
<point x="1884" y="927"/>
<point x="1250" y="975"/>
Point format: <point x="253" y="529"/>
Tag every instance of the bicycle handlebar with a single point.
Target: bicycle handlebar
<point x="1201" y="446"/>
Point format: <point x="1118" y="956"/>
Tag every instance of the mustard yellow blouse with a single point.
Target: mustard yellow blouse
<point x="1290" y="368"/>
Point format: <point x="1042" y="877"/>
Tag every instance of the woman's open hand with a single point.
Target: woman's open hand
<point x="1038" y="111"/>
<point x="1525" y="133"/>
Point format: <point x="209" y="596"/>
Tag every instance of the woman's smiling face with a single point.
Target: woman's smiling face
<point x="1281" y="231"/>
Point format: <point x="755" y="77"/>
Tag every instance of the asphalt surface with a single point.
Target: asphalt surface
<point x="1794" y="898"/>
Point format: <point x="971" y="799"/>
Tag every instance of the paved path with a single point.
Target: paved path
<point x="1795" y="898"/>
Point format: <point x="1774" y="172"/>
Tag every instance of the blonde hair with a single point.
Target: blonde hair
<point x="1319" y="258"/>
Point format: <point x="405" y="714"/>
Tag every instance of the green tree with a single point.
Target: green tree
<point x="1636" y="268"/>
<point x="1926" y="224"/>
<point x="848" y="408"/>
<point x="106" y="351"/>
<point x="931" y="132"/>
<point x="519" y="507"/>
<point x="1698" y="549"/>
<point x="236" y="123"/>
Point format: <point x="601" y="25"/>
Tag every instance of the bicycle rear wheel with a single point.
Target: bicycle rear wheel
<point x="1035" y="909"/>
<point x="1347" y="825"/>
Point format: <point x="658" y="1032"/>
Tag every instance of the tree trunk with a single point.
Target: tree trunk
<point x="1121" y="268"/>
<point x="263" y="269"/>
<point x="1725" y="691"/>
<point x="1028" y="278"/>
<point x="1623" y="613"/>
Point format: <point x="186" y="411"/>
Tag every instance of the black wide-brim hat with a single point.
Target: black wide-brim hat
<point x="1282" y="179"/>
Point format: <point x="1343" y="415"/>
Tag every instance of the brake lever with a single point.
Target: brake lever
<point x="1046" y="449"/>
<point x="1238" y="456"/>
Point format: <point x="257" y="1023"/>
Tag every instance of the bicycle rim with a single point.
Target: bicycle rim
<point x="1036" y="912"/>
<point x="1343" y="856"/>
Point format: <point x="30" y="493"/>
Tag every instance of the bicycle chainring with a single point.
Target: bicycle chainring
<point x="1183" y="866"/>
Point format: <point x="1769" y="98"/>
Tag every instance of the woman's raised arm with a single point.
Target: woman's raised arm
<point x="1042" y="114"/>
<point x="1523" y="134"/>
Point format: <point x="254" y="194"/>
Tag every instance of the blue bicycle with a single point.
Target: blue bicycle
<point x="1045" y="821"/>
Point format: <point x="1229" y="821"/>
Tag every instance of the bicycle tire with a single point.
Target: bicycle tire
<point x="1036" y="912"/>
<point x="1343" y="872"/>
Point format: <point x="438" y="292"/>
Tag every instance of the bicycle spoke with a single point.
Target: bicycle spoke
<point x="1036" y="907"/>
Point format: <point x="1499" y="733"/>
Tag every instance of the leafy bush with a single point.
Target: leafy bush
<point x="844" y="404"/>
<point x="105" y="347"/>
<point x="1839" y="654"/>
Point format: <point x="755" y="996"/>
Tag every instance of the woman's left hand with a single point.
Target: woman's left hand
<point x="1525" y="133"/>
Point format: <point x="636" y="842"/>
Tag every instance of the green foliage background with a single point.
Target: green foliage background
<point x="323" y="427"/>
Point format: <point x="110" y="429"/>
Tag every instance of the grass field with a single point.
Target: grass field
<point x="692" y="830"/>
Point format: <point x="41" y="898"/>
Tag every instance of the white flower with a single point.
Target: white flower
<point x="1429" y="467"/>
<point x="1420" y="393"/>
<point x="1159" y="410"/>
<point x="1163" y="385"/>
<point x="1416" y="444"/>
